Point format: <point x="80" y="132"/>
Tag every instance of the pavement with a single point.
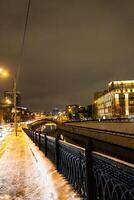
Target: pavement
<point x="25" y="173"/>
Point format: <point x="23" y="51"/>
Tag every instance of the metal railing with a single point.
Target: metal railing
<point x="93" y="175"/>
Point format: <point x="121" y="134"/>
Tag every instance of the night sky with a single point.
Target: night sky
<point x="72" y="49"/>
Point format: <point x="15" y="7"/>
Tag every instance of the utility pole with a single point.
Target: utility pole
<point x="15" y="105"/>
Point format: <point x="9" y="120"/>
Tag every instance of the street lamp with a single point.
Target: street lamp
<point x="5" y="74"/>
<point x="8" y="101"/>
<point x="15" y="103"/>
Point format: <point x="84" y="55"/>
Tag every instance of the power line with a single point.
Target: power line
<point x="23" y="40"/>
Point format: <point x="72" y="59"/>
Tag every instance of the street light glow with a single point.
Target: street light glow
<point x="8" y="101"/>
<point x="5" y="74"/>
<point x="1" y="69"/>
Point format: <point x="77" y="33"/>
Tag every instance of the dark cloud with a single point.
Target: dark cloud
<point x="72" y="48"/>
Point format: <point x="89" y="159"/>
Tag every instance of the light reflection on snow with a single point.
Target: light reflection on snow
<point x="4" y="130"/>
<point x="56" y="186"/>
<point x="27" y="177"/>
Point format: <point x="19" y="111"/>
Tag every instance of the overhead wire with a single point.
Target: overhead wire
<point x="23" y="41"/>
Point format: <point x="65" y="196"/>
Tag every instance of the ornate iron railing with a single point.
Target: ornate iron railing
<point x="72" y="166"/>
<point x="114" y="181"/>
<point x="93" y="175"/>
<point x="51" y="148"/>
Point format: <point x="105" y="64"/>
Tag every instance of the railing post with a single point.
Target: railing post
<point x="39" y="140"/>
<point x="36" y="139"/>
<point x="33" y="136"/>
<point x="29" y="133"/>
<point x="90" y="186"/>
<point x="45" y="140"/>
<point x="57" y="151"/>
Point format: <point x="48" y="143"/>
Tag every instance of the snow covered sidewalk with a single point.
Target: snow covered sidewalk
<point x="25" y="174"/>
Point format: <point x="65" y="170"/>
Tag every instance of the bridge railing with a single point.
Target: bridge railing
<point x="93" y="175"/>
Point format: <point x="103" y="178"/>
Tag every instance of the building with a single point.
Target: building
<point x="23" y="114"/>
<point x="75" y="112"/>
<point x="5" y="112"/>
<point x="116" y="102"/>
<point x="89" y="111"/>
<point x="9" y="98"/>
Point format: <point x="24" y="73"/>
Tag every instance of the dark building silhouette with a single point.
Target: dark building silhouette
<point x="75" y="112"/>
<point x="5" y="112"/>
<point x="9" y="98"/>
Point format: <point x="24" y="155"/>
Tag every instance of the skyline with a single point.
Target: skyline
<point x="72" y="49"/>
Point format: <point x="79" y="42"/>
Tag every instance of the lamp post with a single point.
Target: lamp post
<point x="5" y="74"/>
<point x="15" y="104"/>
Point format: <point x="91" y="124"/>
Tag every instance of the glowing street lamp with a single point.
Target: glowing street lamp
<point x="8" y="101"/>
<point x="15" y="105"/>
<point x="1" y="70"/>
<point x="5" y="74"/>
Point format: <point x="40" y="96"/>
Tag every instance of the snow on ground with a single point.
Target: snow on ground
<point x="4" y="131"/>
<point x="25" y="174"/>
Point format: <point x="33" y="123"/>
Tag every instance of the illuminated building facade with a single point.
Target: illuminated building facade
<point x="116" y="102"/>
<point x="75" y="112"/>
